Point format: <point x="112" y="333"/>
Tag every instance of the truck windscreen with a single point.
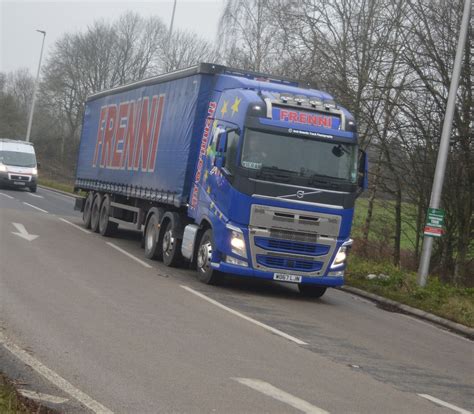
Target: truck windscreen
<point x="300" y="156"/>
<point x="18" y="159"/>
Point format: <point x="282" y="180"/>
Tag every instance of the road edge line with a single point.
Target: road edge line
<point x="445" y="404"/>
<point x="129" y="255"/>
<point x="53" y="377"/>
<point x="402" y="308"/>
<point x="245" y="317"/>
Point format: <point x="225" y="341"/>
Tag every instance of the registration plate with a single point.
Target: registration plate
<point x="18" y="183"/>
<point x="284" y="277"/>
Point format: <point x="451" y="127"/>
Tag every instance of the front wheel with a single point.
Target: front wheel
<point x="33" y="188"/>
<point x="312" y="291"/>
<point x="206" y="273"/>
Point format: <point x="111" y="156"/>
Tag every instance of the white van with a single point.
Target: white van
<point x="18" y="167"/>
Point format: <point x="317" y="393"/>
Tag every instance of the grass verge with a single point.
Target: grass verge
<point x="9" y="403"/>
<point x="68" y="188"/>
<point x="447" y="301"/>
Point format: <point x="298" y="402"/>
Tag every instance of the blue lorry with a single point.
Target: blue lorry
<point x="231" y="171"/>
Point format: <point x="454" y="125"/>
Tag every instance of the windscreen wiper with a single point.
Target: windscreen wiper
<point x="275" y="172"/>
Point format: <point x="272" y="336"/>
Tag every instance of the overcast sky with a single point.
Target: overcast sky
<point x="20" y="44"/>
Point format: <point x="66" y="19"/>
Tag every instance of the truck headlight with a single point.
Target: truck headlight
<point x="3" y="168"/>
<point x="237" y="241"/>
<point x="341" y="254"/>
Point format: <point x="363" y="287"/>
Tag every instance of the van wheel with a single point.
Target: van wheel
<point x="106" y="227"/>
<point x="152" y="234"/>
<point x="86" y="213"/>
<point x="95" y="212"/>
<point x="206" y="273"/>
<point x="312" y="291"/>
<point x="33" y="189"/>
<point x="171" y="247"/>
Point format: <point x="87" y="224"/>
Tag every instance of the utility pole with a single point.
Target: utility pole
<point x="444" y="143"/>
<point x="172" y="22"/>
<point x="30" y="120"/>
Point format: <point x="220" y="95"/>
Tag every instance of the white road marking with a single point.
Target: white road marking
<point x="35" y="195"/>
<point x="6" y="195"/>
<point x="37" y="208"/>
<point x="54" y="378"/>
<point x="39" y="396"/>
<point x="75" y="225"/>
<point x="23" y="233"/>
<point x="129" y="255"/>
<point x="280" y="395"/>
<point x="247" y="318"/>
<point x="445" y="404"/>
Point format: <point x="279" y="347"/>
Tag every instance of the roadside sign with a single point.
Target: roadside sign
<point x="434" y="222"/>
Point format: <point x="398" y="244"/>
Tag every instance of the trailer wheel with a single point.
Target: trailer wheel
<point x="86" y="213"/>
<point x="151" y="237"/>
<point x="95" y="212"/>
<point x="171" y="246"/>
<point x="312" y="291"/>
<point x="106" y="227"/>
<point x="206" y="273"/>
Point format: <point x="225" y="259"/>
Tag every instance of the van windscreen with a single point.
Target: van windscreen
<point x="18" y="159"/>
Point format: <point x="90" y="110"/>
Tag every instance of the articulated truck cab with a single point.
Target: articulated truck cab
<point x="236" y="172"/>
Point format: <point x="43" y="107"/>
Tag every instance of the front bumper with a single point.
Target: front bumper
<point x="17" y="180"/>
<point x="329" y="281"/>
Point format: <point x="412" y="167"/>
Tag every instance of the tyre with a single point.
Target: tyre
<point x="206" y="273"/>
<point x="151" y="238"/>
<point x="33" y="189"/>
<point x="86" y="213"/>
<point x="106" y="227"/>
<point x="95" y="212"/>
<point x="171" y="246"/>
<point x="312" y="291"/>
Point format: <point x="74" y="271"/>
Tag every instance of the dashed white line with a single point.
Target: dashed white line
<point x="37" y="208"/>
<point x="129" y="255"/>
<point x="6" y="195"/>
<point x="35" y="195"/>
<point x="247" y="318"/>
<point x="75" y="225"/>
<point x="39" y="396"/>
<point x="445" y="404"/>
<point x="280" y="395"/>
<point x="54" y="378"/>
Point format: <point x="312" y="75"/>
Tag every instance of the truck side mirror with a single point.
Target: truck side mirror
<point x="38" y="165"/>
<point x="221" y="144"/>
<point x="363" y="170"/>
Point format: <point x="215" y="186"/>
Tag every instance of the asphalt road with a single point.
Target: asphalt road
<point x="131" y="335"/>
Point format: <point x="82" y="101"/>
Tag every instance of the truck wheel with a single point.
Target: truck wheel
<point x="171" y="247"/>
<point x="95" y="212"/>
<point x="106" y="227"/>
<point x="152" y="233"/>
<point x="86" y="213"/>
<point x="312" y="291"/>
<point x="206" y="273"/>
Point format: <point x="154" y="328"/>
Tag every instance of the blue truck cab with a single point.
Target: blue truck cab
<point x="256" y="178"/>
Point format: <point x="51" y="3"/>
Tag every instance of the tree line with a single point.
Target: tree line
<point x="388" y="61"/>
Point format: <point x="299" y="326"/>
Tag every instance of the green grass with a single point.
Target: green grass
<point x="382" y="227"/>
<point x="9" y="403"/>
<point x="447" y="301"/>
<point x="68" y="188"/>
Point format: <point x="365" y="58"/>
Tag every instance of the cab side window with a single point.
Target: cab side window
<point x="231" y="154"/>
